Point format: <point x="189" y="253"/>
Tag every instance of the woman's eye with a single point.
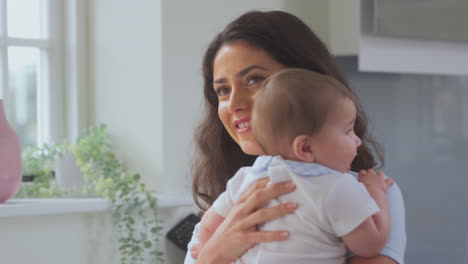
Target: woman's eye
<point x="222" y="91"/>
<point x="252" y="80"/>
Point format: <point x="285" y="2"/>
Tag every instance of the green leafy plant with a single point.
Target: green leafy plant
<point x="134" y="207"/>
<point x="38" y="163"/>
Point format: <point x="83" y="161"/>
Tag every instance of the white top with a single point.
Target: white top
<point x="330" y="204"/>
<point x="396" y="244"/>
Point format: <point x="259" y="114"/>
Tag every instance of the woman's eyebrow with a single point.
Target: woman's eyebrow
<point x="246" y="70"/>
<point x="242" y="73"/>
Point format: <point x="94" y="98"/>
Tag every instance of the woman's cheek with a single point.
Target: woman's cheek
<point x="225" y="117"/>
<point x="222" y="112"/>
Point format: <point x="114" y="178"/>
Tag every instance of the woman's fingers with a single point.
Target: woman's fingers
<point x="267" y="214"/>
<point x="266" y="192"/>
<point x="238" y="232"/>
<point x="258" y="185"/>
<point x="267" y="236"/>
<point x="262" y="196"/>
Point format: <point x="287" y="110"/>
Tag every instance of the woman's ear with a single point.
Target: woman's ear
<point x="302" y="148"/>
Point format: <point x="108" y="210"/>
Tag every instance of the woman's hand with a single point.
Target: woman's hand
<point x="238" y="232"/>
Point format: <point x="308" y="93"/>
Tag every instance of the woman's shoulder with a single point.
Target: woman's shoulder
<point x="396" y="244"/>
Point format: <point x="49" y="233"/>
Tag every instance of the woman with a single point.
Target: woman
<point x="249" y="50"/>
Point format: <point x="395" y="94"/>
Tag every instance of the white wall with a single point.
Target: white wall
<point x="57" y="239"/>
<point x="146" y="76"/>
<point x="81" y="238"/>
<point x="126" y="80"/>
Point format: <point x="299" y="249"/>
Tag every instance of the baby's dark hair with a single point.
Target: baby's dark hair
<point x="293" y="102"/>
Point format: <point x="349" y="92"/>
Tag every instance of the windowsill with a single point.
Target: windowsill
<point x="52" y="206"/>
<point x="58" y="206"/>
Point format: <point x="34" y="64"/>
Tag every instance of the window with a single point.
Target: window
<point x="43" y="90"/>
<point x="29" y="52"/>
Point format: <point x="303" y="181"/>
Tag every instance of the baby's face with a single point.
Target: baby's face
<point x="335" y="145"/>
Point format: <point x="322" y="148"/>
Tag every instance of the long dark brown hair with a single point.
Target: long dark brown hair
<point x="293" y="44"/>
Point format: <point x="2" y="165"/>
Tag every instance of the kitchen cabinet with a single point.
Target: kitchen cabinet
<point x="375" y="31"/>
<point x="418" y="37"/>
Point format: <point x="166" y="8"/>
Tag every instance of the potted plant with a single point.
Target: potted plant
<point x="134" y="207"/>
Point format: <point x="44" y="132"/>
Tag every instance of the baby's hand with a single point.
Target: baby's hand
<point x="371" y="178"/>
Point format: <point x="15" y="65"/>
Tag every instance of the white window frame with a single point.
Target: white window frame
<point x="62" y="93"/>
<point x="76" y="66"/>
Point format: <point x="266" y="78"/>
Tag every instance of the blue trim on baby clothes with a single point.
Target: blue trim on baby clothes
<point x="298" y="167"/>
<point x="261" y="164"/>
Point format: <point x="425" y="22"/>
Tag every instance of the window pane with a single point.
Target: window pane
<point x="23" y="76"/>
<point x="24" y="18"/>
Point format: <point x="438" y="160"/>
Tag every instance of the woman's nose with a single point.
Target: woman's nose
<point x="238" y="101"/>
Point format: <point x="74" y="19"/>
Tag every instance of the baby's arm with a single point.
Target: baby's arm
<point x="208" y="225"/>
<point x="216" y="214"/>
<point x="211" y="220"/>
<point x="369" y="238"/>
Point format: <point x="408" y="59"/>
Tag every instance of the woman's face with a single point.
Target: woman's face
<point x="239" y="70"/>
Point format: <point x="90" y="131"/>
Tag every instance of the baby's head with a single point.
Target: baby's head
<point x="306" y="116"/>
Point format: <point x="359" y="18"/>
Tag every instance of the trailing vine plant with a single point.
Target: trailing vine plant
<point x="134" y="207"/>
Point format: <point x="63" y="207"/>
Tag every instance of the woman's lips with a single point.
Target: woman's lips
<point x="242" y="125"/>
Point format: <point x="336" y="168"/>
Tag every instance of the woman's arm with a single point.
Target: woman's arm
<point x="238" y="231"/>
<point x="394" y="250"/>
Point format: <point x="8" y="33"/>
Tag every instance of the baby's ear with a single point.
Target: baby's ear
<point x="303" y="149"/>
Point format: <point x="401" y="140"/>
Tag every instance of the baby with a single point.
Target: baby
<point x="304" y="122"/>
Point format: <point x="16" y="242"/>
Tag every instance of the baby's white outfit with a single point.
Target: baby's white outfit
<point x="330" y="205"/>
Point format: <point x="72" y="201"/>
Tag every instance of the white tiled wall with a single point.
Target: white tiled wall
<point x="422" y="123"/>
